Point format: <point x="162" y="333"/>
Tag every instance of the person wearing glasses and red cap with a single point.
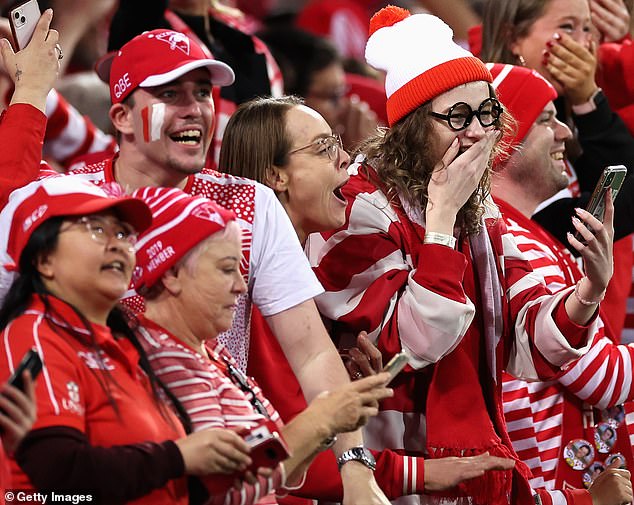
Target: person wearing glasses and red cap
<point x="102" y="412"/>
<point x="162" y="107"/>
<point x="424" y="263"/>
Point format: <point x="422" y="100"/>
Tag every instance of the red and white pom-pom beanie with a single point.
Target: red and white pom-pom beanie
<point x="420" y="59"/>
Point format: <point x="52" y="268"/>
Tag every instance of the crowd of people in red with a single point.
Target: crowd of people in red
<point x="218" y="223"/>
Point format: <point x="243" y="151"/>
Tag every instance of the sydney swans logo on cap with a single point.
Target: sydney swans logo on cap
<point x="208" y="213"/>
<point x="175" y="40"/>
<point x="35" y="215"/>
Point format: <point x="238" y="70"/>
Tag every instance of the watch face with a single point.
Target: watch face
<point x="360" y="454"/>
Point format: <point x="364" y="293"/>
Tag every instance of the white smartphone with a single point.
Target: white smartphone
<point x="396" y="364"/>
<point x="23" y="20"/>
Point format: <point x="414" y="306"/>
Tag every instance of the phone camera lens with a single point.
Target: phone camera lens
<point x="16" y="15"/>
<point x="23" y="19"/>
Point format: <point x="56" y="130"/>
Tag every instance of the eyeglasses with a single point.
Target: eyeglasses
<point x="240" y="380"/>
<point x="103" y="230"/>
<point x="461" y="114"/>
<point x="329" y="145"/>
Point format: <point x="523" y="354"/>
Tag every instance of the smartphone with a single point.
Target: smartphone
<point x="612" y="177"/>
<point x="396" y="364"/>
<point x="268" y="448"/>
<point x="23" y="20"/>
<point x="31" y="362"/>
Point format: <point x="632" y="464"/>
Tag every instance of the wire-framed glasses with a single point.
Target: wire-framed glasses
<point x="102" y="230"/>
<point x="330" y="145"/>
<point x="461" y="114"/>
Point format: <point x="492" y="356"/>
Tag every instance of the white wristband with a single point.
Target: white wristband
<point x="432" y="237"/>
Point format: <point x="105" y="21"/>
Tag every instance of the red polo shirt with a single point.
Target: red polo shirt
<point x="78" y="384"/>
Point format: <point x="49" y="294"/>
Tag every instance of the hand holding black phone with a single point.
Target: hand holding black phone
<point x="31" y="362"/>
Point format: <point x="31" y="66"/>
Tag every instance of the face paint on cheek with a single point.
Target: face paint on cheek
<point x="153" y="119"/>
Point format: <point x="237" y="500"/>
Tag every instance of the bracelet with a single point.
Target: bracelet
<point x="432" y="237"/>
<point x="583" y="301"/>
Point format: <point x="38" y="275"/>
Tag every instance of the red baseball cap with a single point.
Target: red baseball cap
<point x="32" y="205"/>
<point x="179" y="222"/>
<point x="155" y="58"/>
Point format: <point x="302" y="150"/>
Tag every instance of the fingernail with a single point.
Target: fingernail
<point x="575" y="220"/>
<point x="545" y="58"/>
<point x="455" y="142"/>
<point x="549" y="43"/>
<point x="579" y="211"/>
<point x="556" y="36"/>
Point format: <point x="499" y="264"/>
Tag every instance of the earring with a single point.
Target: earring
<point x="521" y="60"/>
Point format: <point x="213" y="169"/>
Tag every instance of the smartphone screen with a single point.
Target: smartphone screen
<point x="23" y="20"/>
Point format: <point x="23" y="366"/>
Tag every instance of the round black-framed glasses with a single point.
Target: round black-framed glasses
<point x="461" y="114"/>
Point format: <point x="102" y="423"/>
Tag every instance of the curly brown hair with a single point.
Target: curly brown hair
<point x="404" y="166"/>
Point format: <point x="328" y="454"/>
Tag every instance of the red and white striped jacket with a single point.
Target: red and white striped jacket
<point x="380" y="278"/>
<point x="534" y="411"/>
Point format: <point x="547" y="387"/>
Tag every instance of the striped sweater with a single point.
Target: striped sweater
<point x="602" y="377"/>
<point x="379" y="277"/>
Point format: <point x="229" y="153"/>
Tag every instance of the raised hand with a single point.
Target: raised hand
<point x="611" y="18"/>
<point x="597" y="249"/>
<point x="454" y="180"/>
<point x="35" y="68"/>
<point x="573" y="66"/>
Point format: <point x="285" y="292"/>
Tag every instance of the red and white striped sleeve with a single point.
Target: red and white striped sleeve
<point x="69" y="134"/>
<point x="566" y="497"/>
<point x="545" y="338"/>
<point x="199" y="388"/>
<point x="602" y="377"/>
<point x="372" y="284"/>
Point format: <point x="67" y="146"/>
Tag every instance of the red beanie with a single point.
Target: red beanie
<point x="524" y="93"/>
<point x="420" y="59"/>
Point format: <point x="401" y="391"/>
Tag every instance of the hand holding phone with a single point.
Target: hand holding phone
<point x="23" y="20"/>
<point x="18" y="408"/>
<point x="31" y="362"/>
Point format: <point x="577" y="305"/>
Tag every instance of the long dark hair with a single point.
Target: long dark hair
<point x="29" y="285"/>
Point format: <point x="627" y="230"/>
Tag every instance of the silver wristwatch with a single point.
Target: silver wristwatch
<point x="360" y="454"/>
